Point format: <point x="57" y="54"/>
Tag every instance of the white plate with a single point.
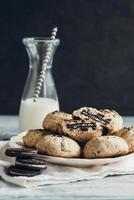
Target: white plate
<point x="17" y="141"/>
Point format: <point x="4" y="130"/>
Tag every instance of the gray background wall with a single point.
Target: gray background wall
<point x="94" y="64"/>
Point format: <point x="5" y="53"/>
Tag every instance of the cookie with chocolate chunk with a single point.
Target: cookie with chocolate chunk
<point x="104" y="147"/>
<point x="32" y="137"/>
<point x="127" y="134"/>
<point x="80" y="130"/>
<point x="109" y="119"/>
<point x="114" y="121"/>
<point x="86" y="113"/>
<point x="52" y="120"/>
<point x="58" y="145"/>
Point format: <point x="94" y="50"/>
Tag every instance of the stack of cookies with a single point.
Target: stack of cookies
<point x="87" y="132"/>
<point x="27" y="163"/>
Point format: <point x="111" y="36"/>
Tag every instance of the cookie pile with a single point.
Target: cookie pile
<point x="27" y="163"/>
<point x="87" y="132"/>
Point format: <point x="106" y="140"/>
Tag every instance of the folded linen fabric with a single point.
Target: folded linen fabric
<point x="56" y="174"/>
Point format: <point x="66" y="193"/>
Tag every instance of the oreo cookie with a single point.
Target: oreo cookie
<point x="16" y="171"/>
<point x="20" y="152"/>
<point x="31" y="163"/>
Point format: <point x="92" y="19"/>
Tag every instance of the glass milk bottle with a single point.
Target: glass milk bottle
<point x="33" y="112"/>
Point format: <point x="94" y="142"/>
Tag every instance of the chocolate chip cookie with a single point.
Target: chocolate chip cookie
<point x="114" y="120"/>
<point x="52" y="120"/>
<point x="32" y="137"/>
<point x="128" y="135"/>
<point x="104" y="147"/>
<point x="80" y="130"/>
<point x="58" y="145"/>
<point x="109" y="119"/>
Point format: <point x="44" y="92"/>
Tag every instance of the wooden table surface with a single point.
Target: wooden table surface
<point x="114" y="187"/>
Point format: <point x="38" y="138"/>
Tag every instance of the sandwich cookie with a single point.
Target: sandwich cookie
<point x="20" y="152"/>
<point x="31" y="163"/>
<point x="17" y="171"/>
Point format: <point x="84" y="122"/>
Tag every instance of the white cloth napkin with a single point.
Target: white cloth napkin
<point x="55" y="174"/>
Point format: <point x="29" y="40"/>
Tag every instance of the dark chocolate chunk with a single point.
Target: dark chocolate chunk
<point x="98" y="117"/>
<point x="82" y="126"/>
<point x="31" y="163"/>
<point x="16" y="171"/>
<point x="105" y="131"/>
<point x="20" y="152"/>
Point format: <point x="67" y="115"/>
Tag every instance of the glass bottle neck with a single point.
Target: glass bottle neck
<point x="36" y="48"/>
